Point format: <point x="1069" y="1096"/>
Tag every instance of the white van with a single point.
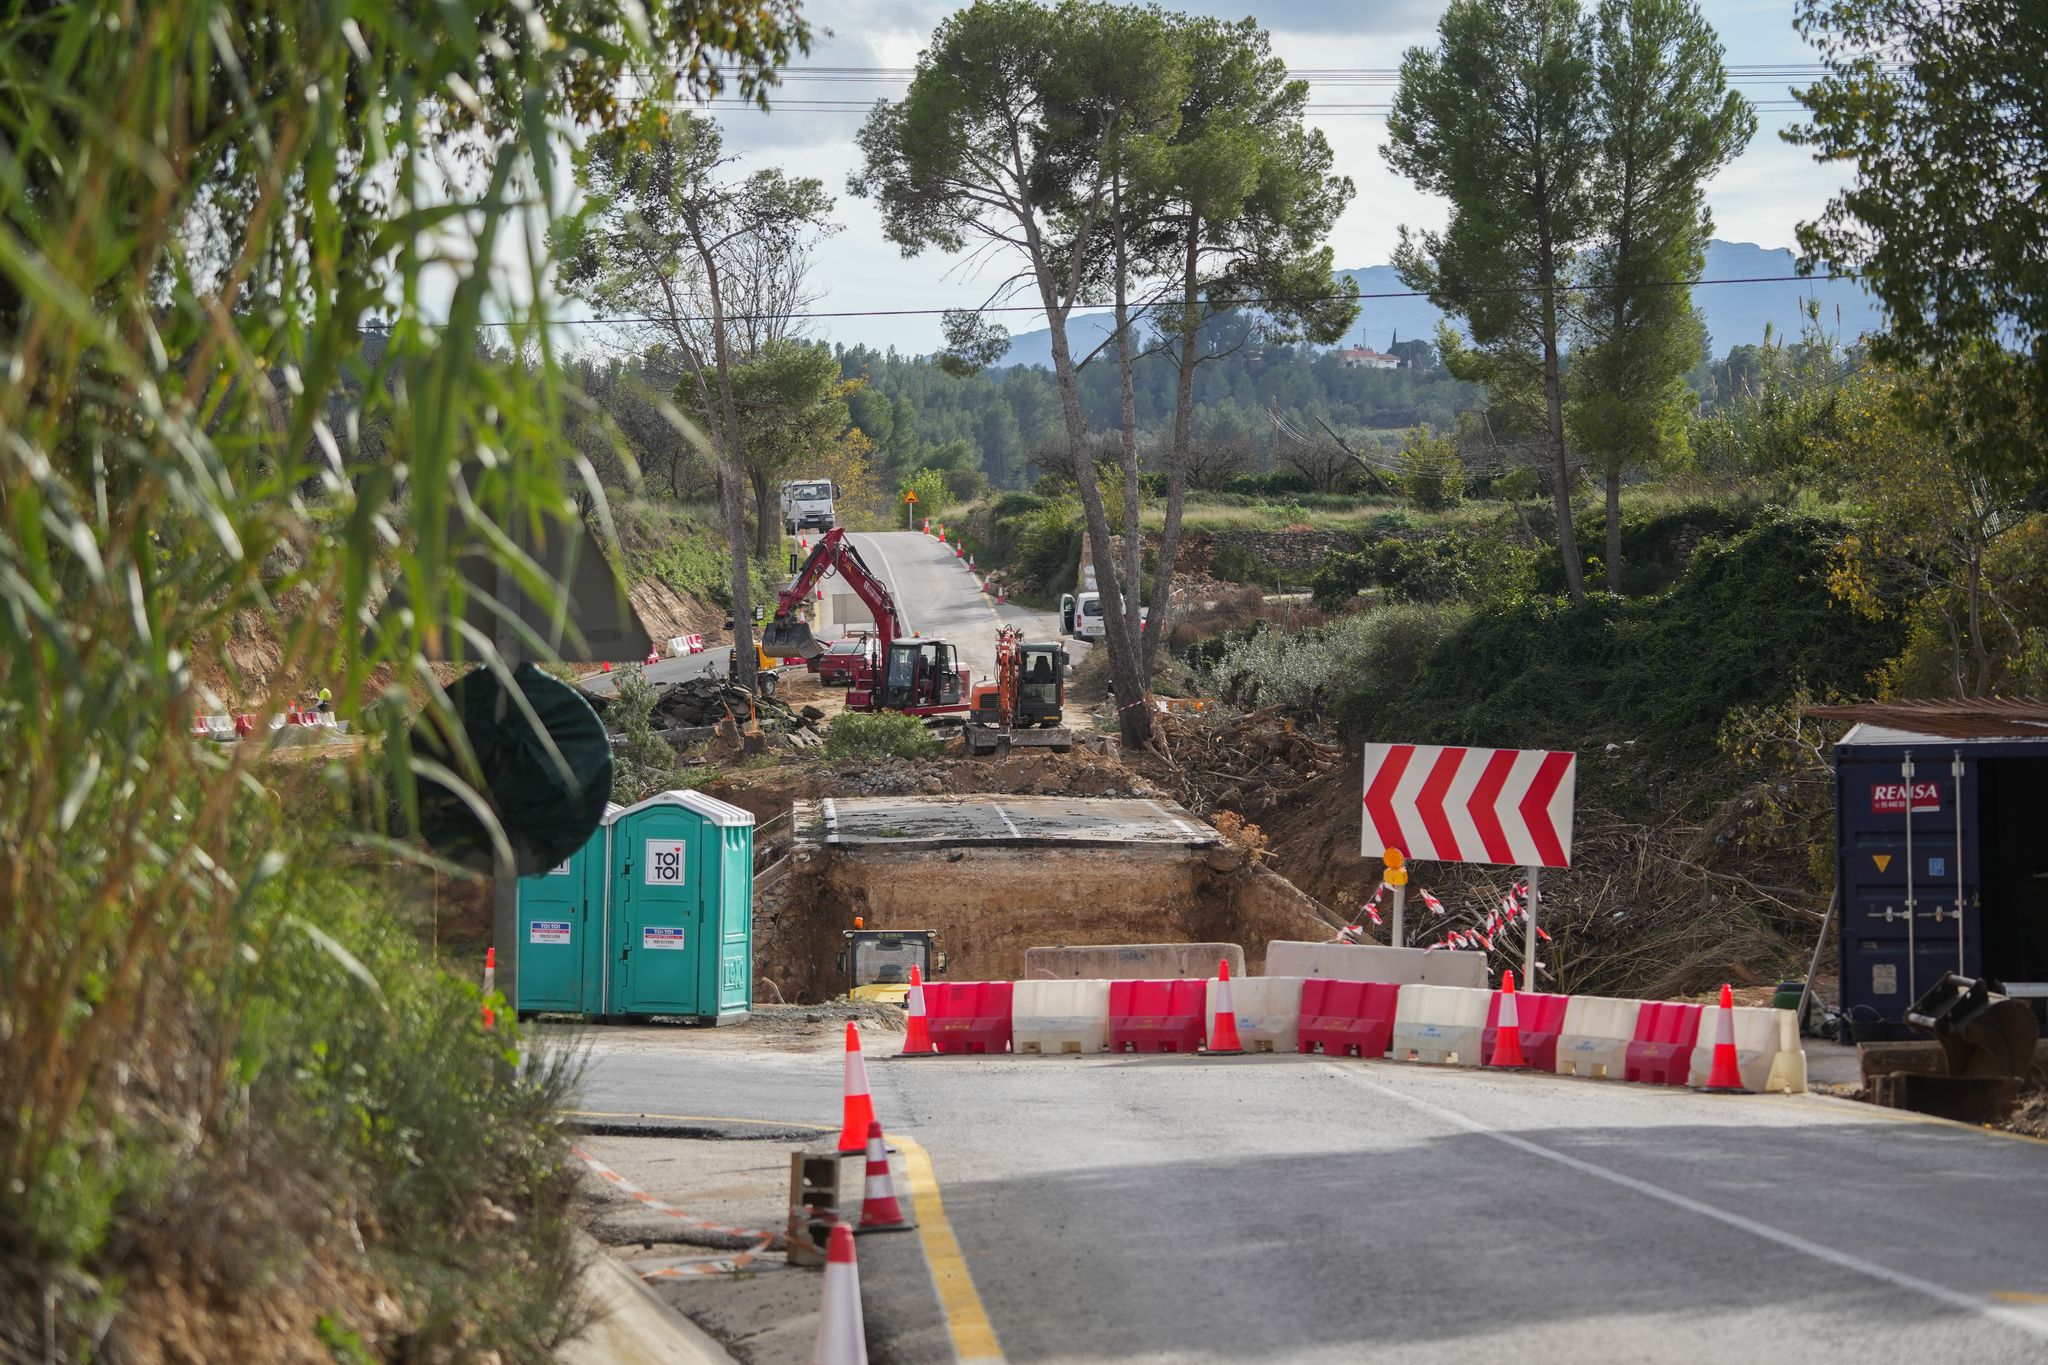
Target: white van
<point x="1081" y="615"/>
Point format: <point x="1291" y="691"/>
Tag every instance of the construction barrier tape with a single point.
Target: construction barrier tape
<point x="683" y="1268"/>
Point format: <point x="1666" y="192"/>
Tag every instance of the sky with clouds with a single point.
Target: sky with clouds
<point x="1760" y="198"/>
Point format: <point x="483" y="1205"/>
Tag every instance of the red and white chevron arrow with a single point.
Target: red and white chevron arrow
<point x="1453" y="805"/>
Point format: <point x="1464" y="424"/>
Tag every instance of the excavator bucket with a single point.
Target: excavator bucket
<point x="790" y="640"/>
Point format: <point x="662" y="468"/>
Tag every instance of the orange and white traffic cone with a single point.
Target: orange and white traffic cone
<point x="490" y="985"/>
<point x="942" y="535"/>
<point x="879" y="1209"/>
<point x="917" y="1037"/>
<point x="1507" y="1042"/>
<point x="1726" y="1072"/>
<point x="1223" y="1041"/>
<point x="842" y="1333"/>
<point x="860" y="1106"/>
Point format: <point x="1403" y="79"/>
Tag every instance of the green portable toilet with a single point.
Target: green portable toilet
<point x="561" y="931"/>
<point x="679" y="909"/>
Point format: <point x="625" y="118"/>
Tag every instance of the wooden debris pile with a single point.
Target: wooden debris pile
<point x="1249" y="764"/>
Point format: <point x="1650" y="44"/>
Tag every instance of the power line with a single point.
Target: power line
<point x="827" y="315"/>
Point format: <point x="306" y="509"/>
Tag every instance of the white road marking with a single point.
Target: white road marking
<point x="1898" y="1279"/>
<point x="1183" y="826"/>
<point x="888" y="576"/>
<point x="1003" y="816"/>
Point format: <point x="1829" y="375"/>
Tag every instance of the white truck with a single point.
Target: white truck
<point x="807" y="505"/>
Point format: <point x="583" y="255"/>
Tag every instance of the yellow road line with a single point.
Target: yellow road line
<point x="974" y="1338"/>
<point x="694" y="1118"/>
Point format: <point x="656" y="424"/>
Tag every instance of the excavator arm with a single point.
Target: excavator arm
<point x="789" y="635"/>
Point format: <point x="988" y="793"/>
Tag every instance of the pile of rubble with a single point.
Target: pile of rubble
<point x="697" y="709"/>
<point x="1248" y="764"/>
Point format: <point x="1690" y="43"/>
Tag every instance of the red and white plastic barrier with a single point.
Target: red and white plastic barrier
<point x="1661" y="1051"/>
<point x="1157" y="1016"/>
<point x="969" y="1016"/>
<point x="1348" y="1018"/>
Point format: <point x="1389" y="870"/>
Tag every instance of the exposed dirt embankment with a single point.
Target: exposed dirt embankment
<point x="666" y="613"/>
<point x="988" y="904"/>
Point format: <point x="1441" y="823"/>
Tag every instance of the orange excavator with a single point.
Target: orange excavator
<point x="910" y="674"/>
<point x="1021" y="705"/>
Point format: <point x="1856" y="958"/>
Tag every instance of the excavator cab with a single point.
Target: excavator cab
<point x="1042" y="674"/>
<point x="920" y="673"/>
<point x="877" y="962"/>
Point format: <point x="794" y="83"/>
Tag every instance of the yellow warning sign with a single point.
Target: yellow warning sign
<point x="1883" y="860"/>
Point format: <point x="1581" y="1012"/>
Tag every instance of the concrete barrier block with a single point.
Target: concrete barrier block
<point x="1268" y="1012"/>
<point x="1373" y="962"/>
<point x="1767" y="1049"/>
<point x="1133" y="962"/>
<point x="1441" y="1025"/>
<point x="1597" y="1032"/>
<point x="1051" y="1017"/>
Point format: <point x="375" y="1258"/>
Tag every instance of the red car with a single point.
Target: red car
<point x="836" y="665"/>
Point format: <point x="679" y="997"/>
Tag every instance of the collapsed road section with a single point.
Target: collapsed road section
<point x="990" y="876"/>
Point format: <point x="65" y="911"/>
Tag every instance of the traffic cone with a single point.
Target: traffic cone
<point x="1507" y="1044"/>
<point x="970" y="563"/>
<point x="879" y="1211"/>
<point x="942" y="535"/>
<point x="860" y="1106"/>
<point x="1223" y="1033"/>
<point x="490" y="984"/>
<point x="606" y="666"/>
<point x="842" y="1334"/>
<point x="956" y="549"/>
<point x="917" y="1040"/>
<point x="803" y="543"/>
<point x="1726" y="1073"/>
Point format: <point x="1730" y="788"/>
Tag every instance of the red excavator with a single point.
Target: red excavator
<point x="918" y="676"/>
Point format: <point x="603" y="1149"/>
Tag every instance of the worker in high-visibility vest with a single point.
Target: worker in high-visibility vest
<point x="326" y="701"/>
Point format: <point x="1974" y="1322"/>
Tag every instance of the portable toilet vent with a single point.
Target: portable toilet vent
<point x="679" y="909"/>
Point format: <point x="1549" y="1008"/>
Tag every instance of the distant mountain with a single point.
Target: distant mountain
<point x="1735" y="313"/>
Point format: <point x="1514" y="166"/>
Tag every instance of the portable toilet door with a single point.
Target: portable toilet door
<point x="671" y="931"/>
<point x="561" y="933"/>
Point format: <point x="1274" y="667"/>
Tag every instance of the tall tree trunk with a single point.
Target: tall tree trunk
<point x="1183" y="436"/>
<point x="767" y="528"/>
<point x="1614" y="531"/>
<point x="732" y="476"/>
<point x="1133" y="563"/>
<point x="1134" y="723"/>
<point x="1553" y="402"/>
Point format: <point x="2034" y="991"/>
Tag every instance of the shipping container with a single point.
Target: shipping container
<point x="1942" y="865"/>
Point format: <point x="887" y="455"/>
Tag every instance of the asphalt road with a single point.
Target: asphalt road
<point x="957" y="821"/>
<point x="934" y="592"/>
<point x="1293" y="1209"/>
<point x="939" y="597"/>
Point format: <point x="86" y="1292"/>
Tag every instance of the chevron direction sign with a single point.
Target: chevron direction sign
<point x="1452" y="805"/>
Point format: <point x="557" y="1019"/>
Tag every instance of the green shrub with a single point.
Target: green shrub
<point x="880" y="734"/>
<point x="1432" y="476"/>
<point x="1431" y="569"/>
<point x="1234" y="563"/>
<point x="642" y="762"/>
<point x="1311" y="670"/>
<point x="1746" y="623"/>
